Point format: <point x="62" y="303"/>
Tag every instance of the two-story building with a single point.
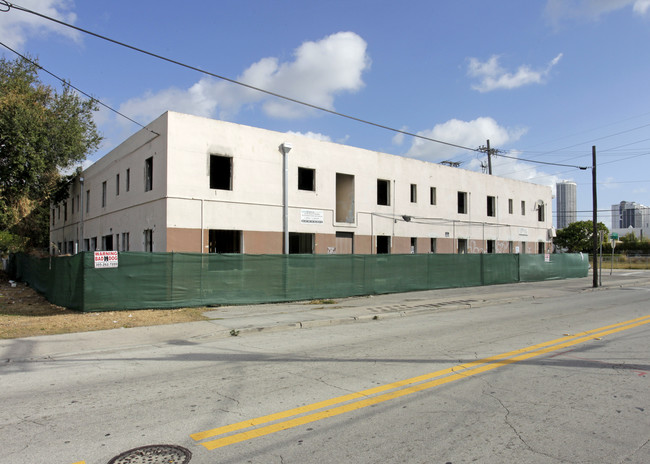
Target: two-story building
<point x="192" y="184"/>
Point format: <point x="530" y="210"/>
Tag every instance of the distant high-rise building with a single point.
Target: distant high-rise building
<point x="630" y="214"/>
<point x="566" y="203"/>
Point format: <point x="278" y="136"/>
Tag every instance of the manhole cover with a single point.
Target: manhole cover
<point x="154" y="454"/>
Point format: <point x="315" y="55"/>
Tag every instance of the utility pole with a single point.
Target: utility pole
<point x="595" y="214"/>
<point x="489" y="152"/>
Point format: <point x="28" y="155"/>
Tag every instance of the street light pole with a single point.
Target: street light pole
<point x="595" y="215"/>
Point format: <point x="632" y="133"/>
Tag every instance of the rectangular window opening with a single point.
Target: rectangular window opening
<point x="103" y="194"/>
<point x="224" y="241"/>
<point x="383" y="244"/>
<point x="148" y="174"/>
<point x="306" y="179"/>
<point x="107" y="243"/>
<point x="345" y="198"/>
<point x="300" y="243"/>
<point x="462" y="246"/>
<point x="523" y="208"/>
<point x="540" y="211"/>
<point x="510" y="206"/>
<point x="117" y="185"/>
<point x="462" y="202"/>
<point x="414" y="193"/>
<point x="432" y="195"/>
<point x="414" y="245"/>
<point x="491" y="246"/>
<point x="220" y="172"/>
<point x="128" y="180"/>
<point x="383" y="192"/>
<point x="148" y="240"/>
<point x="491" y="206"/>
<point x="434" y="245"/>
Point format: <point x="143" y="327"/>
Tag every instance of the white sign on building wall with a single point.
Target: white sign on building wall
<point x="105" y="259"/>
<point x="311" y="216"/>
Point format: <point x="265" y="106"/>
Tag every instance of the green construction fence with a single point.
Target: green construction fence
<point x="174" y="280"/>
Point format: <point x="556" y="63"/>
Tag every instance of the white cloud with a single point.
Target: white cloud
<point x="312" y="135"/>
<point x="320" y="71"/>
<point x="16" y="26"/>
<point x="399" y="137"/>
<point x="558" y="10"/>
<point x="470" y="134"/>
<point x="492" y="76"/>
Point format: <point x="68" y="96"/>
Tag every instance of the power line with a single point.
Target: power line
<point x="583" y="168"/>
<point x="66" y="83"/>
<point x="9" y="6"/>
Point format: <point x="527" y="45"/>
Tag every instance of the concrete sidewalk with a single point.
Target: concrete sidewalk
<point x="244" y="320"/>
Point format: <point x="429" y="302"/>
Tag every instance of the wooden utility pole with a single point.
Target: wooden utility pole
<point x="595" y="214"/>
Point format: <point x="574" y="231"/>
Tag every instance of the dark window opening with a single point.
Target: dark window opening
<point x="107" y="243"/>
<point x="306" y="179"/>
<point x="224" y="241"/>
<point x="128" y="179"/>
<point x="540" y="211"/>
<point x="432" y="195"/>
<point x="220" y="172"/>
<point x="148" y="174"/>
<point x="117" y="185"/>
<point x="103" y="194"/>
<point x="510" y="206"/>
<point x="383" y="192"/>
<point x="414" y="193"/>
<point x="462" y="202"/>
<point x="383" y="244"/>
<point x="491" y="206"/>
<point x="148" y="240"/>
<point x="301" y="243"/>
<point x="433" y="245"/>
<point x="491" y="246"/>
<point x="462" y="246"/>
<point x="414" y="245"/>
<point x="540" y="248"/>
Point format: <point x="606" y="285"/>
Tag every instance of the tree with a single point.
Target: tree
<point x="578" y="236"/>
<point x="42" y="132"/>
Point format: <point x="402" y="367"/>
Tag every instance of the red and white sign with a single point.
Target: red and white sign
<point x="105" y="259"/>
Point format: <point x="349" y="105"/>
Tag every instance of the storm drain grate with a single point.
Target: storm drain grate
<point x="154" y="454"/>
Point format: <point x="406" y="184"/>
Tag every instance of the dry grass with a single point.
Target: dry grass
<point x="25" y="313"/>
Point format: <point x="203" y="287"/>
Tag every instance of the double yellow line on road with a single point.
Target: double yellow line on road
<point x="353" y="401"/>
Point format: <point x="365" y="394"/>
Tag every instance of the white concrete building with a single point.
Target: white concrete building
<point x="203" y="186"/>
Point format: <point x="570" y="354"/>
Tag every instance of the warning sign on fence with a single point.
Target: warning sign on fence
<point x="106" y="259"/>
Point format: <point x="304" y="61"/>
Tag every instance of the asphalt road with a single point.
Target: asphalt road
<point x="558" y="379"/>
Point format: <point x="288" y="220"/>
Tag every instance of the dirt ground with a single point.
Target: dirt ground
<point x="26" y="313"/>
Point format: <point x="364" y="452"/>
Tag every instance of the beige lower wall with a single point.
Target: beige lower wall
<point x="184" y="240"/>
<point x="263" y="243"/>
<point x="254" y="242"/>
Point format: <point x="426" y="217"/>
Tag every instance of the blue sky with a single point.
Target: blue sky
<point x="543" y="80"/>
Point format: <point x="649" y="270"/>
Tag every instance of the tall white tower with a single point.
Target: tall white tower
<point x="566" y="203"/>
